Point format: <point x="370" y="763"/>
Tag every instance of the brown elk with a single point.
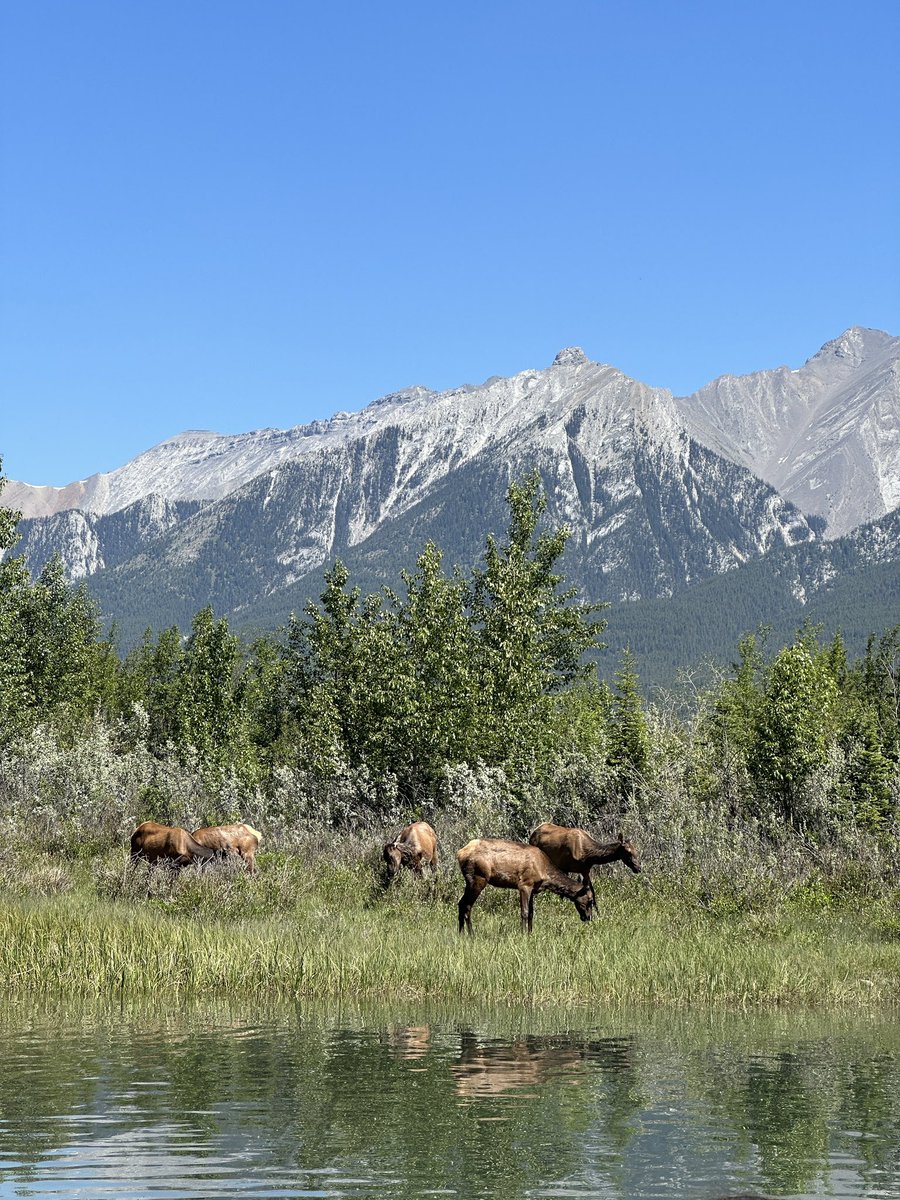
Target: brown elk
<point x="574" y="850"/>
<point x="239" y="839"/>
<point x="167" y="843"/>
<point x="415" y="846"/>
<point x="514" y="865"/>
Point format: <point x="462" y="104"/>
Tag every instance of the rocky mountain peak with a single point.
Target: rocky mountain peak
<point x="396" y="399"/>
<point x="806" y="432"/>
<point x="854" y="346"/>
<point x="660" y="492"/>
<point x="571" y="356"/>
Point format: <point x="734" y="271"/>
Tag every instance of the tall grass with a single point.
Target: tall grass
<point x="293" y="933"/>
<point x="728" y="912"/>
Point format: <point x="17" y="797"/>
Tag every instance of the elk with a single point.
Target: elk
<point x="507" y="864"/>
<point x="239" y="839"/>
<point x="167" y="843"/>
<point x="575" y="850"/>
<point x="415" y="846"/>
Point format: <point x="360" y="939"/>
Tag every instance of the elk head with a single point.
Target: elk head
<point x="629" y="855"/>
<point x="584" y="902"/>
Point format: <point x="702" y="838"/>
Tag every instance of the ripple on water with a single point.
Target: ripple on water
<point x="204" y="1104"/>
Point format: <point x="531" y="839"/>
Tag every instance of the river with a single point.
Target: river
<point x="224" y="1100"/>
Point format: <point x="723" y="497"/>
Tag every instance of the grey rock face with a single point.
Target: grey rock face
<point x="88" y="543"/>
<point x="651" y="512"/>
<point x="826" y="435"/>
<point x="572" y="356"/>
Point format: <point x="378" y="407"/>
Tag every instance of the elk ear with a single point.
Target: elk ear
<point x="621" y="837"/>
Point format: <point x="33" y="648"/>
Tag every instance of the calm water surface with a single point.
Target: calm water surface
<point x="221" y="1102"/>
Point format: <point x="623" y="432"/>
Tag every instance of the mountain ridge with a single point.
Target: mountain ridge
<point x="749" y="419"/>
<point x="640" y="476"/>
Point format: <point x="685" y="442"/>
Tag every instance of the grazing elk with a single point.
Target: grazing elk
<point x="239" y="839"/>
<point x="576" y="851"/>
<point x="415" y="846"/>
<point x="514" y="865"/>
<point x="167" y="843"/>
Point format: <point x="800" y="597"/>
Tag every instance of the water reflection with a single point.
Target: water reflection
<point x="411" y="1041"/>
<point x="490" y="1068"/>
<point x="215" y="1102"/>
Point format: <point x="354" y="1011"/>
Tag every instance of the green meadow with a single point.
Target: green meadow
<point x="325" y="925"/>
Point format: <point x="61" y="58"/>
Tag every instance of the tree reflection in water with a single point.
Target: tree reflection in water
<point x="512" y="1105"/>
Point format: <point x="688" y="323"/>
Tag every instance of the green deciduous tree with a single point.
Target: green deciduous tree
<point x="150" y="678"/>
<point x="14" y="583"/>
<point x="532" y="634"/>
<point x="208" y="716"/>
<point x="795" y="725"/>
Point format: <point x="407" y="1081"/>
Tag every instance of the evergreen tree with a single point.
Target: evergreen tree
<point x="868" y="778"/>
<point x="436" y="722"/>
<point x="260" y="697"/>
<point x="323" y="671"/>
<point x="877" y="682"/>
<point x="629" y="742"/>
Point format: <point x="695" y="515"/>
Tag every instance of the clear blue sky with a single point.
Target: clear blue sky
<point x="227" y="215"/>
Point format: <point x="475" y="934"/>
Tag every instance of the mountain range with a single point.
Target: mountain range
<point x="663" y="494"/>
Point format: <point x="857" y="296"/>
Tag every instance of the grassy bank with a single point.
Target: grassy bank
<point x="324" y="928"/>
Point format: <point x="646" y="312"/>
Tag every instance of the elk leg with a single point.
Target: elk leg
<point x="586" y="880"/>
<point x="526" y="908"/>
<point x="474" y="888"/>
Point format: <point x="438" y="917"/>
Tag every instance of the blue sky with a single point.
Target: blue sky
<point x="229" y="215"/>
